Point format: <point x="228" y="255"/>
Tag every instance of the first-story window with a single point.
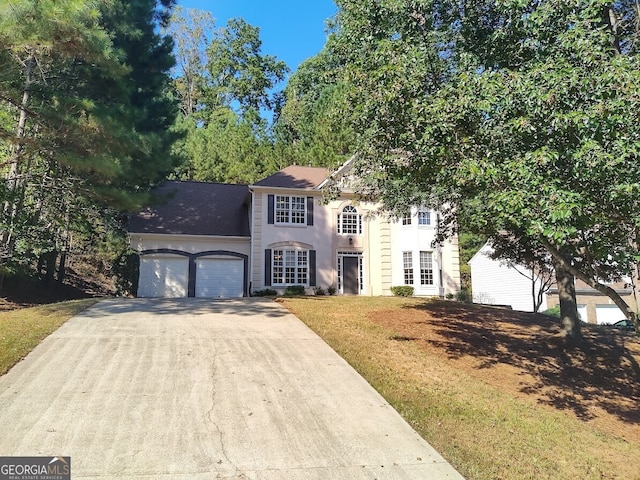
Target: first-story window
<point x="426" y="268"/>
<point x="290" y="267"/>
<point x="407" y="265"/>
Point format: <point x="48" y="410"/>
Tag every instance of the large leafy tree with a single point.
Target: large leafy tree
<point x="191" y="30"/>
<point x="228" y="135"/>
<point x="242" y="77"/>
<point x="520" y="117"/>
<point x="314" y="123"/>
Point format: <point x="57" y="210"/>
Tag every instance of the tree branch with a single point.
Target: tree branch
<point x="605" y="289"/>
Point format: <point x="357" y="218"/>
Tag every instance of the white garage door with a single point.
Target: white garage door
<point x="608" y="314"/>
<point x="219" y="277"/>
<point x="582" y="311"/>
<point x="163" y="276"/>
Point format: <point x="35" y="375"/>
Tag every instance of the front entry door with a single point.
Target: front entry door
<point x="350" y="274"/>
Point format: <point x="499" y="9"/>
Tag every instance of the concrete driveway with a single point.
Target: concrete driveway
<point x="194" y="389"/>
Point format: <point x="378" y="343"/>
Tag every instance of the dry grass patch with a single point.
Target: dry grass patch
<point x="21" y="330"/>
<point x="494" y="391"/>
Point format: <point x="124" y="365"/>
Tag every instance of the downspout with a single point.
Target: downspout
<point x="368" y="254"/>
<point x="440" y="266"/>
<point x="251" y="230"/>
<point x="441" y="273"/>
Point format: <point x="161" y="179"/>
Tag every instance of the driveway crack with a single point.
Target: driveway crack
<point x="210" y="417"/>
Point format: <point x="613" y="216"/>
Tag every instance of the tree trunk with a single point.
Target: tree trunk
<point x="49" y="259"/>
<point x="62" y="267"/>
<point x="537" y="300"/>
<point x="612" y="22"/>
<point x="629" y="312"/>
<point x="569" y="321"/>
<point x="10" y="207"/>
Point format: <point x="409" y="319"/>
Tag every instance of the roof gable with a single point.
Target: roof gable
<point x="196" y="208"/>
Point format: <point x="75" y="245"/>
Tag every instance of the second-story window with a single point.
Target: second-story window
<point x="290" y="210"/>
<point x="349" y="221"/>
<point x="424" y="217"/>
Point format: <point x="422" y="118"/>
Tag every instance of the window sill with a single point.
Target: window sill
<point x="292" y="225"/>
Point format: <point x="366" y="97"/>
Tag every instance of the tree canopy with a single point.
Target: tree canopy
<point x="520" y="117"/>
<point x="85" y="115"/>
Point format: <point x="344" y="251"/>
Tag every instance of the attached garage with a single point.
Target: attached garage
<point x="608" y="314"/>
<point x="219" y="277"/>
<point x="163" y="276"/>
<point x="194" y="243"/>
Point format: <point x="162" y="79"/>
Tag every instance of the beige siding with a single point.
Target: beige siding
<point x="257" y="255"/>
<point x="312" y="237"/>
<point x="385" y="257"/>
<point x="188" y="243"/>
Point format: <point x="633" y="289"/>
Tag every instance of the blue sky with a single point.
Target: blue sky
<point x="292" y="30"/>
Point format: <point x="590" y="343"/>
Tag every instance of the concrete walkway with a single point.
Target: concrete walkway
<point x="194" y="389"/>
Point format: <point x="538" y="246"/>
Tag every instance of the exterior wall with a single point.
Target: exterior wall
<point x="188" y="243"/>
<point x="379" y="256"/>
<point x="494" y="283"/>
<point x="368" y="243"/>
<point x="373" y="244"/>
<point x="450" y="266"/>
<point x="311" y="237"/>
<point x="589" y="301"/>
<point x="416" y="238"/>
<point x="256" y="276"/>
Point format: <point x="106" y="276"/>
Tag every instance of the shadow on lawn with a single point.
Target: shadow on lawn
<point x="602" y="372"/>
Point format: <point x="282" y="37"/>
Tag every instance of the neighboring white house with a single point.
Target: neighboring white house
<point x="217" y="240"/>
<point x="495" y="282"/>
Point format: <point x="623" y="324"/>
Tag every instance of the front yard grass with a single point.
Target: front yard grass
<point x="21" y="330"/>
<point x="492" y="390"/>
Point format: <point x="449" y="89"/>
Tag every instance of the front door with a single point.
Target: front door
<point x="350" y="274"/>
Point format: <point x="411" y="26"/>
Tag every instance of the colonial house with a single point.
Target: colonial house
<point x="220" y="241"/>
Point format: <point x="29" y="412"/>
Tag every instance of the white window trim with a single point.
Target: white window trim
<point x="290" y="211"/>
<point x="361" y="273"/>
<point x="297" y="267"/>
<point x="425" y="225"/>
<point x="341" y="224"/>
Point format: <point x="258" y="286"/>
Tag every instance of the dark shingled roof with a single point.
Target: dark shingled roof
<point x="295" y="176"/>
<point x="193" y="208"/>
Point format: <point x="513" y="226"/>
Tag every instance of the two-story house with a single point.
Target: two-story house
<point x="217" y="240"/>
